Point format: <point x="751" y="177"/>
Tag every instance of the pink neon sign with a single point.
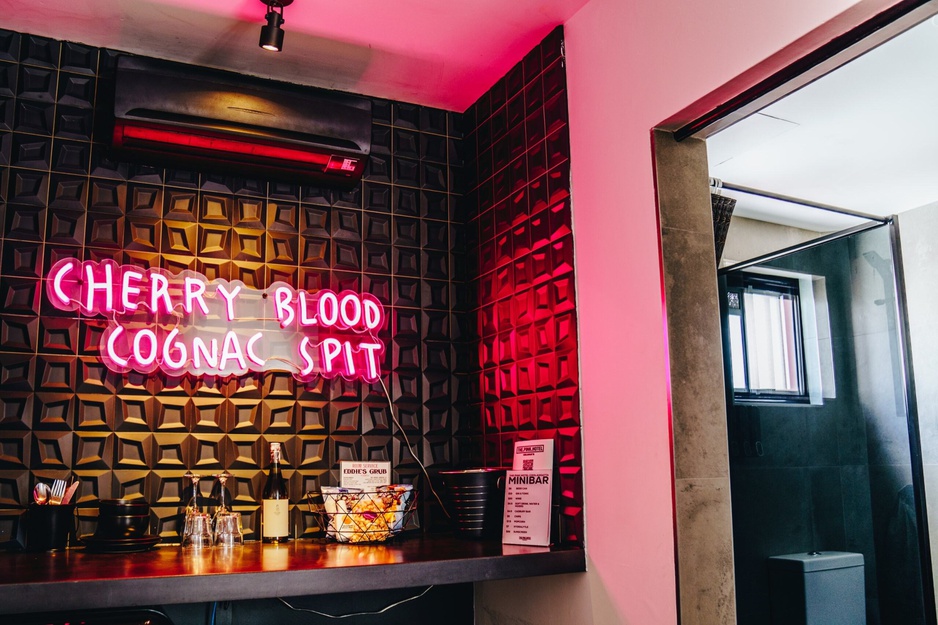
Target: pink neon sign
<point x="186" y="323"/>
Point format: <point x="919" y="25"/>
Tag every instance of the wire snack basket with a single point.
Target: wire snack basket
<point x="355" y="515"/>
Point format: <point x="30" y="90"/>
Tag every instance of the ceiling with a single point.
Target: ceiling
<point x="443" y="54"/>
<point x="862" y="138"/>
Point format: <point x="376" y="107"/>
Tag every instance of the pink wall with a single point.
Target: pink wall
<point x="630" y="66"/>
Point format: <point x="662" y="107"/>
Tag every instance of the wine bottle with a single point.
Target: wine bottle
<point x="276" y="502"/>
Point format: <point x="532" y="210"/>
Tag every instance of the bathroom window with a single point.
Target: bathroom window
<point x="765" y="339"/>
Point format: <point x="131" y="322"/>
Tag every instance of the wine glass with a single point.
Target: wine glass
<point x="192" y="505"/>
<point x="220" y="480"/>
<point x="228" y="529"/>
<point x="198" y="531"/>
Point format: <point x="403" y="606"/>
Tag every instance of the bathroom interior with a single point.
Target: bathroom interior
<point x="827" y="256"/>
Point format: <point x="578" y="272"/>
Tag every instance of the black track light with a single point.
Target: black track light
<point x="272" y="34"/>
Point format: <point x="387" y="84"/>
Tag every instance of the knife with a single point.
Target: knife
<point x="69" y="492"/>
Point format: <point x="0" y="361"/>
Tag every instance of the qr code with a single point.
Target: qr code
<point x="527" y="465"/>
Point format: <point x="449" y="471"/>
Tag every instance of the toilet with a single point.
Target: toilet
<point x="817" y="588"/>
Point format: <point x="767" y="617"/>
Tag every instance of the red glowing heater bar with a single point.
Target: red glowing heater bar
<point x="130" y="135"/>
<point x="126" y="135"/>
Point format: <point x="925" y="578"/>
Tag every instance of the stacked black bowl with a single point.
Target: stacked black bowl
<point x="122" y="518"/>
<point x="122" y="527"/>
<point x="476" y="501"/>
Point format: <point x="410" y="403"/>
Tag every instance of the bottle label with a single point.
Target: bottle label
<point x="276" y="518"/>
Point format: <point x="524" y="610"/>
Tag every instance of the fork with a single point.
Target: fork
<point x="58" y="492"/>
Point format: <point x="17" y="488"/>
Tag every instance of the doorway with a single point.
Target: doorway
<point x="820" y="451"/>
<point x="703" y="521"/>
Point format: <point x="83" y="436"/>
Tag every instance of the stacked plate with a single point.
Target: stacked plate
<point x="122" y="527"/>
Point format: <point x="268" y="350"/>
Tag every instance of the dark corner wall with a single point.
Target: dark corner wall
<point x="481" y="340"/>
<point x="521" y="261"/>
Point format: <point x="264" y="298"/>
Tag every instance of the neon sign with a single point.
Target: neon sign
<point x="185" y="323"/>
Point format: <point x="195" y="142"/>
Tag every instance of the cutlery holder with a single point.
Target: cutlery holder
<point x="49" y="527"/>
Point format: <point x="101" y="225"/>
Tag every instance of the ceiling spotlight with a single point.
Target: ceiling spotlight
<point x="272" y="34"/>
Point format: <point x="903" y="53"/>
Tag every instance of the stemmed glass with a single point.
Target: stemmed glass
<point x="228" y="531"/>
<point x="192" y="506"/>
<point x="221" y="479"/>
<point x="198" y="532"/>
<point x="227" y="523"/>
<point x="193" y="513"/>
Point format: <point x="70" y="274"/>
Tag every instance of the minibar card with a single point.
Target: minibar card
<point x="527" y="508"/>
<point x="535" y="455"/>
<point x="367" y="475"/>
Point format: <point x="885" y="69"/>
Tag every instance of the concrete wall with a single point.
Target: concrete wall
<point x="703" y="522"/>
<point x="751" y="238"/>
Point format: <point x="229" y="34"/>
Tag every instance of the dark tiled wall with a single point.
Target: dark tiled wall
<point x="521" y="268"/>
<point x="480" y="293"/>
<point x="62" y="413"/>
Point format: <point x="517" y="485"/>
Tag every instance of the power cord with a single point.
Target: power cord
<point x="337" y="616"/>
<point x="410" y="448"/>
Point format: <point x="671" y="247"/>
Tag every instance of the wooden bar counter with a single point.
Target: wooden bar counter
<point x="79" y="579"/>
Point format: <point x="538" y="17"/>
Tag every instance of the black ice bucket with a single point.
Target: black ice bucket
<point x="476" y="501"/>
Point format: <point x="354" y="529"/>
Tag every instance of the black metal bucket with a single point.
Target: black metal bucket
<point x="476" y="501"/>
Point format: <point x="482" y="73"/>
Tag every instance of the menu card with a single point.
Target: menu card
<point x="366" y="475"/>
<point x="527" y="508"/>
<point x="528" y="494"/>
